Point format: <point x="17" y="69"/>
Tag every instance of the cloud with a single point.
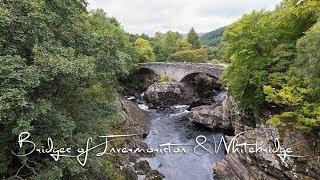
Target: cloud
<point x="150" y="16"/>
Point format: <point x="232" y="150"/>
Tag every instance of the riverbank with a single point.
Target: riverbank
<point x="211" y="113"/>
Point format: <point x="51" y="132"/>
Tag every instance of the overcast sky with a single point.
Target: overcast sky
<point x="150" y="16"/>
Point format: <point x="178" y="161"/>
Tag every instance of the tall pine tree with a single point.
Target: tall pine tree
<point x="193" y="39"/>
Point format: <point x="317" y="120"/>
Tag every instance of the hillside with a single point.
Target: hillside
<point x="212" y="38"/>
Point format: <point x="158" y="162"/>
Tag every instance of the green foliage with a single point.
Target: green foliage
<point x="213" y="41"/>
<point x="305" y="118"/>
<point x="287" y="95"/>
<point x="303" y="101"/>
<point x="160" y="51"/>
<point x="172" y="47"/>
<point x="212" y="38"/>
<point x="162" y="46"/>
<point x="112" y="173"/>
<point x="59" y="66"/>
<point x="308" y="63"/>
<point x="200" y="55"/>
<point x="191" y="56"/>
<point x="267" y="67"/>
<point x="182" y="56"/>
<point x="261" y="46"/>
<point x="165" y="78"/>
<point x="144" y="50"/>
<point x="248" y="72"/>
<point x="193" y="39"/>
<point x="215" y="53"/>
<point x="170" y="41"/>
<point x="184" y="44"/>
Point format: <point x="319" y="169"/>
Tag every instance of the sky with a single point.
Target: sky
<point x="150" y="16"/>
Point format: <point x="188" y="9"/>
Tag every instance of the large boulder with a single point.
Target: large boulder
<point x="168" y="94"/>
<point x="142" y="167"/>
<point x="132" y="120"/>
<point x="154" y="175"/>
<point x="307" y="145"/>
<point x="219" y="116"/>
<point x="265" y="164"/>
<point x="210" y="116"/>
<point x="257" y="165"/>
<point x="231" y="168"/>
<point x="206" y="86"/>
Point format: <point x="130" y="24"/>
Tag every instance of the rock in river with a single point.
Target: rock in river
<point x="154" y="175"/>
<point x="142" y="167"/>
<point x="168" y="94"/>
<point x="219" y="116"/>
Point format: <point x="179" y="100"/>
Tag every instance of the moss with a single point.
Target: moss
<point x="131" y="120"/>
<point x="112" y="172"/>
<point x="164" y="78"/>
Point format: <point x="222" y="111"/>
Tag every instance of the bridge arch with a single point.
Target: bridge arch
<point x="204" y="84"/>
<point x="192" y="76"/>
<point x="147" y="71"/>
<point x="178" y="71"/>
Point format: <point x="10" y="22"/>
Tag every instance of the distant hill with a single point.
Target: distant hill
<point x="212" y="38"/>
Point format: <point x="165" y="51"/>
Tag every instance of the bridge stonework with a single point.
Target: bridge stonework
<point x="177" y="71"/>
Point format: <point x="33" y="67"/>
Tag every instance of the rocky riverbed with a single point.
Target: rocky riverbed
<point x="180" y="112"/>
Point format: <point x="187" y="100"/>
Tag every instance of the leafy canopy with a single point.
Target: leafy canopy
<point x="144" y="50"/>
<point x="274" y="62"/>
<point x="59" y="66"/>
<point x="193" y="39"/>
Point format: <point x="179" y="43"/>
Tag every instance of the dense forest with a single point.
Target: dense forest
<point x="213" y="41"/>
<point x="275" y="62"/>
<point x="61" y="67"/>
<point x="59" y="72"/>
<point x="172" y="47"/>
<point x="212" y="38"/>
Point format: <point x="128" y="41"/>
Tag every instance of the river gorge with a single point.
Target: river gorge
<point x="178" y="116"/>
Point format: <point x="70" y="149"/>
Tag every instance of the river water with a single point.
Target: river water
<point x="172" y="126"/>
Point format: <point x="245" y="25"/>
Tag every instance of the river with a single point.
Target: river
<point x="172" y="125"/>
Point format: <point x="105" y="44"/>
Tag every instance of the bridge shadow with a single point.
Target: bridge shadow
<point x="204" y="84"/>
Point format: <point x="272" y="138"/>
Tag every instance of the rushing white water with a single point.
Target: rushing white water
<point x="172" y="125"/>
<point x="143" y="107"/>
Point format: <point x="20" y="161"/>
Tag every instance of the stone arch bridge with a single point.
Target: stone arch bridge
<point x="178" y="71"/>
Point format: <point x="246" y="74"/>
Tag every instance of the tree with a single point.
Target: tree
<point x="184" y="44"/>
<point x="191" y="56"/>
<point x="170" y="41"/>
<point x="144" y="50"/>
<point x="182" y="56"/>
<point x="301" y="93"/>
<point x="56" y="60"/>
<point x="308" y="59"/>
<point x="200" y="55"/>
<point x="193" y="39"/>
<point x="261" y="47"/>
<point x="145" y="36"/>
<point x="273" y="61"/>
<point x="212" y="38"/>
<point x="160" y="52"/>
<point x="247" y="73"/>
<point x="158" y="36"/>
